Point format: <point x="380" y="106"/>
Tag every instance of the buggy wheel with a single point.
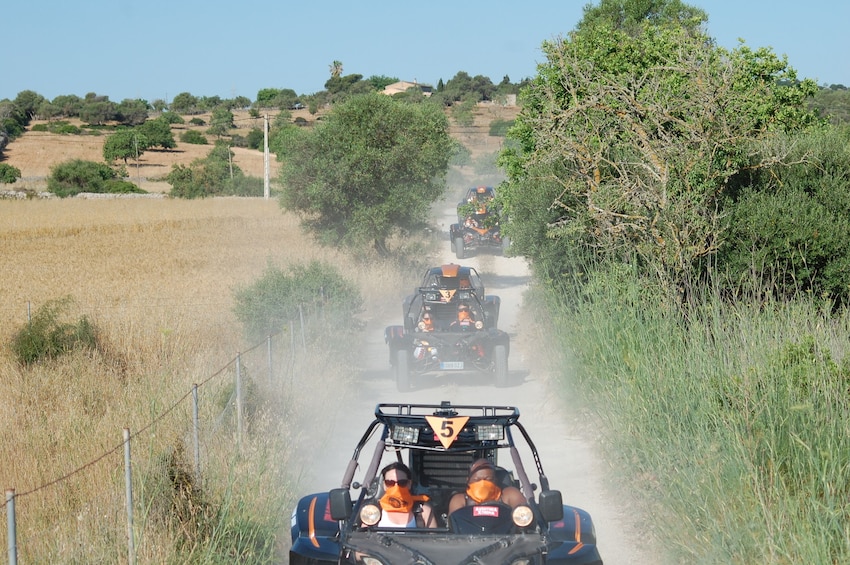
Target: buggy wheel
<point x="500" y="362"/>
<point x="402" y="370"/>
<point x="452" y="243"/>
<point x="459" y="250"/>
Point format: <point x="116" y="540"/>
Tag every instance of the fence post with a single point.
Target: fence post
<point x="291" y="352"/>
<point x="196" y="442"/>
<point x="12" y="541"/>
<point x="128" y="479"/>
<point x="303" y="331"/>
<point x="269" y="351"/>
<point x="239" y="401"/>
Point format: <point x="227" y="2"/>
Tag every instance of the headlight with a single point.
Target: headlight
<point x="372" y="561"/>
<point x="405" y="434"/>
<point x="485" y="432"/>
<point x="370" y="514"/>
<point x="522" y="516"/>
<point x="479" y="325"/>
<point x="521" y="561"/>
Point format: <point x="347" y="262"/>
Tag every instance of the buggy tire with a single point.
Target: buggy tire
<point x="500" y="365"/>
<point x="459" y="250"/>
<point x="402" y="370"/>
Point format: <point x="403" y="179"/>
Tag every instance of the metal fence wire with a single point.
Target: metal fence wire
<point x="270" y="363"/>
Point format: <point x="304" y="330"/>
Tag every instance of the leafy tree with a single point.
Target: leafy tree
<point x="631" y="16"/>
<point x="68" y="105"/>
<point x="124" y="144"/>
<point x="29" y="102"/>
<point x="221" y="122"/>
<point x="159" y="105"/>
<point x="336" y="69"/>
<point x="158" y="133"/>
<point x="184" y="103"/>
<point x="630" y="138"/>
<point x="381" y="82"/>
<point x="374" y="165"/>
<point x="9" y="174"/>
<point x="338" y="84"/>
<point x="132" y="112"/>
<point x="266" y="97"/>
<point x="97" y="110"/>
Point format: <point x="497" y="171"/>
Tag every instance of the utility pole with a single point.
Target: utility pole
<point x="266" y="156"/>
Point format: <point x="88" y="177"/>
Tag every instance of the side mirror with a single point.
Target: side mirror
<point x="340" y="502"/>
<point x="551" y="505"/>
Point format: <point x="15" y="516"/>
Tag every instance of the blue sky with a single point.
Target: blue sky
<point x="156" y="49"/>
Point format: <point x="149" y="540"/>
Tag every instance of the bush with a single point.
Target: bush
<point x="9" y="174"/>
<point x="193" y="137"/>
<point x="197" y="122"/>
<point x="46" y="336"/>
<point x="500" y="128"/>
<point x="788" y="233"/>
<point x="61" y="127"/>
<point x="72" y="177"/>
<point x="325" y="298"/>
<point x="172" y="118"/>
<point x="214" y="175"/>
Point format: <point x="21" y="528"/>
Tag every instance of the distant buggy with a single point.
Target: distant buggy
<point x="448" y="325"/>
<point x="478" y="223"/>
<point x="438" y="443"/>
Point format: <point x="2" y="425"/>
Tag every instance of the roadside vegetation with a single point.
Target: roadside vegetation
<point x="686" y="212"/>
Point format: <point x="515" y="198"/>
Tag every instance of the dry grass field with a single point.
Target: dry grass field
<point x="157" y="277"/>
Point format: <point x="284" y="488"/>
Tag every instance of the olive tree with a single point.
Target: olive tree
<point x="372" y="166"/>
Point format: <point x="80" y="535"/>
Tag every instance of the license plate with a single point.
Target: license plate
<point x="451" y="365"/>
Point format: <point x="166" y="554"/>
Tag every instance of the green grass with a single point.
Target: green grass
<point x="734" y="423"/>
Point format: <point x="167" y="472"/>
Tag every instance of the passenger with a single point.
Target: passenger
<point x="481" y="488"/>
<point x="401" y="508"/>
<point x="426" y="324"/>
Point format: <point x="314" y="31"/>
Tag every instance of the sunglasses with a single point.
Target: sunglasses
<point x="401" y="482"/>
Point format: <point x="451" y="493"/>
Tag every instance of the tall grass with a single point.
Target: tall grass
<point x="734" y="421"/>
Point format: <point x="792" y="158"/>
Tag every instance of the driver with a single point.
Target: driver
<point x="481" y="488"/>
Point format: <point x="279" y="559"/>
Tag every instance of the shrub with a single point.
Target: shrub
<point x="318" y="291"/>
<point x="193" y="137"/>
<point x="500" y="128"/>
<point x="197" y="122"/>
<point x="172" y="118"/>
<point x="214" y="175"/>
<point x="9" y="174"/>
<point x="46" y="336"/>
<point x="121" y="186"/>
<point x="75" y="176"/>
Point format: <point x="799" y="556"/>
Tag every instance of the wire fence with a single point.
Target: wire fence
<point x="270" y="363"/>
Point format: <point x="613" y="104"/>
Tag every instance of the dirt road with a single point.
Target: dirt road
<point x="565" y="442"/>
